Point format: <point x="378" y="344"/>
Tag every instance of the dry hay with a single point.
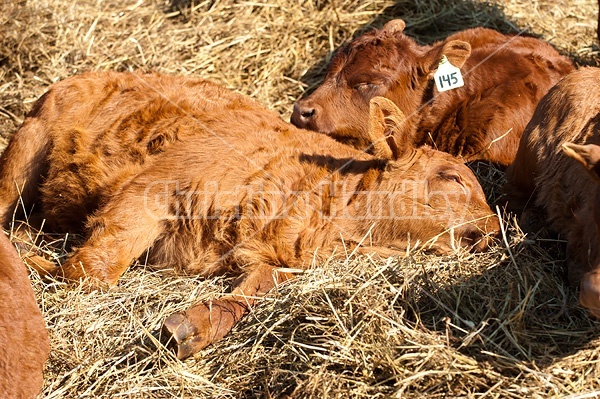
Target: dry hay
<point x="499" y="324"/>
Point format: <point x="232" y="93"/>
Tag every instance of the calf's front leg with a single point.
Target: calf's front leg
<point x="190" y="331"/>
<point x="119" y="233"/>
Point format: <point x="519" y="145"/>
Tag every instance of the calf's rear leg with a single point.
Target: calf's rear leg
<point x="192" y="330"/>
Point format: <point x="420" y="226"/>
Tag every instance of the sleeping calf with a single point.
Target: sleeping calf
<point x="210" y="182"/>
<point x="547" y="176"/>
<point x="504" y="78"/>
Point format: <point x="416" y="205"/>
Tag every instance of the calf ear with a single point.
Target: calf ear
<point x="588" y="155"/>
<point x="388" y="129"/>
<point x="456" y="51"/>
<point x="394" y="26"/>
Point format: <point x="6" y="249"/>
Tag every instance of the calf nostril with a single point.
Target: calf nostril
<point x="476" y="239"/>
<point x="307" y="113"/>
<point x="303" y="115"/>
<point x="472" y="236"/>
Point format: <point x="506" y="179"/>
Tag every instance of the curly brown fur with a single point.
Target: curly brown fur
<point x="212" y="183"/>
<point x="24" y="344"/>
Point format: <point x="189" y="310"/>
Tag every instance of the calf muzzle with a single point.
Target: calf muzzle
<point x="479" y="237"/>
<point x="304" y="114"/>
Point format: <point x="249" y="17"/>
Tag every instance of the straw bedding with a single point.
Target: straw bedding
<point x="502" y="324"/>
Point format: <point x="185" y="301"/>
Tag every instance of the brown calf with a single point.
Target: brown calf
<point x="504" y="78"/>
<point x="213" y="184"/>
<point x="24" y="343"/>
<point x="565" y="125"/>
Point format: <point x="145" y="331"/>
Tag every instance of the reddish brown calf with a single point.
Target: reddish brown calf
<point x="565" y="125"/>
<point x="24" y="343"/>
<point x="212" y="183"/>
<point x="504" y="78"/>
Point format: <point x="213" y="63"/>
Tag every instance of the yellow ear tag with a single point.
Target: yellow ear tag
<point x="447" y="76"/>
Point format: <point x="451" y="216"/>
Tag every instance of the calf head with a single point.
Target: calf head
<point x="381" y="63"/>
<point x="423" y="195"/>
<point x="589" y="290"/>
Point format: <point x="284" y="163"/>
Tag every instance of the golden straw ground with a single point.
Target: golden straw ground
<point x="498" y="324"/>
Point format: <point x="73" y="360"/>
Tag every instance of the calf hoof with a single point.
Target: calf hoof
<point x="43" y="266"/>
<point x="180" y="334"/>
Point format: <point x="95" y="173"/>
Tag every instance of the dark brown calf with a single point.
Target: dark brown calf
<point x="504" y="78"/>
<point x="212" y="183"/>
<point x="544" y="178"/>
<point x="24" y="343"/>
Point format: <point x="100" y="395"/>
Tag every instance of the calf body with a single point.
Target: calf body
<point x="505" y="77"/>
<point x="24" y="344"/>
<point x="212" y="183"/>
<point x="544" y="177"/>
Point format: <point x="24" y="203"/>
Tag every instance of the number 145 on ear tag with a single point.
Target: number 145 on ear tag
<point x="447" y="77"/>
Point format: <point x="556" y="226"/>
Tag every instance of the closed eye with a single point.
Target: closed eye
<point x="452" y="177"/>
<point x="365" y="87"/>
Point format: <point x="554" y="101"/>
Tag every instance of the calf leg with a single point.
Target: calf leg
<point x="192" y="330"/>
<point x="120" y="232"/>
